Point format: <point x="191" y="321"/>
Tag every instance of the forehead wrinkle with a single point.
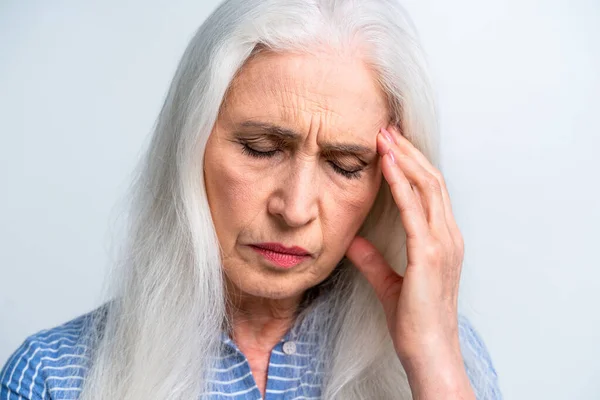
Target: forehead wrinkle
<point x="295" y="105"/>
<point x="303" y="96"/>
<point x="334" y="131"/>
<point x="325" y="95"/>
<point x="297" y="119"/>
<point x="264" y="72"/>
<point x="266" y="87"/>
<point x="301" y="117"/>
<point x="279" y="81"/>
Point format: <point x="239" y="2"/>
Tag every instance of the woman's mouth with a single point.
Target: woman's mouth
<point x="281" y="260"/>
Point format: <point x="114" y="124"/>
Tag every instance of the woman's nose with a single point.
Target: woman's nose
<point x="296" y="199"/>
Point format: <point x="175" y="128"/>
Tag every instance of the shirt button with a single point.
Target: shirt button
<point x="289" y="347"/>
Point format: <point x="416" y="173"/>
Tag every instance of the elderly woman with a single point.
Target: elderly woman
<point x="290" y="237"/>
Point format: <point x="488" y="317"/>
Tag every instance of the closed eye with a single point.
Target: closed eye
<point x="267" y="154"/>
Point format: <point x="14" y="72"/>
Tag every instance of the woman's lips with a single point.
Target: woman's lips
<point x="280" y="248"/>
<point x="280" y="259"/>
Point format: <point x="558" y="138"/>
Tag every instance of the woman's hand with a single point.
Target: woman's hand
<point x="421" y="307"/>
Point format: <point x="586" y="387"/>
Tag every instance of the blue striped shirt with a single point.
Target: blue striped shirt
<point x="50" y="364"/>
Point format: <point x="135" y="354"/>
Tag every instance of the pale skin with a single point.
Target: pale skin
<point x="298" y="196"/>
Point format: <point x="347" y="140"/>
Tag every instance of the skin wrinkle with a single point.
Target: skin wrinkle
<point x="294" y="197"/>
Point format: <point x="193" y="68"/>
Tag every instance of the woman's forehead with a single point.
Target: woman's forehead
<point x="339" y="91"/>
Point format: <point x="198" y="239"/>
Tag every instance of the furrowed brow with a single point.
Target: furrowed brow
<point x="286" y="134"/>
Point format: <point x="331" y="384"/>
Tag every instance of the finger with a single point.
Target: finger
<point x="426" y="183"/>
<point x="419" y="197"/>
<point x="412" y="213"/>
<point x="369" y="261"/>
<point x="406" y="146"/>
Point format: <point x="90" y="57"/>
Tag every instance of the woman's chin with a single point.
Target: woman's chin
<point x="275" y="288"/>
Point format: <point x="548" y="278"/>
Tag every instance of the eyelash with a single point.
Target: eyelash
<point x="266" y="154"/>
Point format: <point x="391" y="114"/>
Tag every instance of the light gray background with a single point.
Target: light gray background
<point x="518" y="83"/>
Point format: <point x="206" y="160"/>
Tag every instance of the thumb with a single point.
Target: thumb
<point x="370" y="262"/>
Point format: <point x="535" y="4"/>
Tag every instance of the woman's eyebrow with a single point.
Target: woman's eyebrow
<point x="293" y="136"/>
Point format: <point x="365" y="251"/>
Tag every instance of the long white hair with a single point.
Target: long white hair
<point x="159" y="335"/>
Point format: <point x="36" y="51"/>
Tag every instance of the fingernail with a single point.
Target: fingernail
<point x="387" y="135"/>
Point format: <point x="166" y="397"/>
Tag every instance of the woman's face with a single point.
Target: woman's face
<point x="303" y="191"/>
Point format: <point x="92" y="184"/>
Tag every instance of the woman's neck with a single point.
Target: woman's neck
<point x="259" y="323"/>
